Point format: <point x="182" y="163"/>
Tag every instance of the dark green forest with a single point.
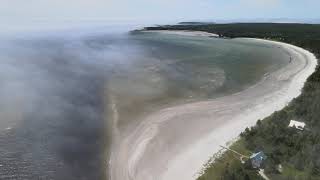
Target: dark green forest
<point x="298" y="152"/>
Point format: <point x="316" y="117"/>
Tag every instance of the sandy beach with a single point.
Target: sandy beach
<point x="176" y="142"/>
<point x="183" y="33"/>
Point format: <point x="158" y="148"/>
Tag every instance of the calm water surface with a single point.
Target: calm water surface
<point x="56" y="92"/>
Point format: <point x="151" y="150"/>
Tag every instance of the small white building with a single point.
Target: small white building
<point x="297" y="124"/>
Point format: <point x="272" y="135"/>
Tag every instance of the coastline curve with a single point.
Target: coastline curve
<point x="175" y="143"/>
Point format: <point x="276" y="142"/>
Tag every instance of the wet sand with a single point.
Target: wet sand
<point x="175" y="142"/>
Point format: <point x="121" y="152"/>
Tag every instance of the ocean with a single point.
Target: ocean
<point x="58" y="92"/>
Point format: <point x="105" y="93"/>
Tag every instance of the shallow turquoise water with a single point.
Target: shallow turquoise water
<point x="204" y="67"/>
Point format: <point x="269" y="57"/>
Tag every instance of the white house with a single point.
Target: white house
<point x="297" y="124"/>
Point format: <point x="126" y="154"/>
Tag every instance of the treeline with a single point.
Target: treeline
<point x="298" y="152"/>
<point x="303" y="35"/>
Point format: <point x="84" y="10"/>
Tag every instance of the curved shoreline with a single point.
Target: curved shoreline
<point x="183" y="33"/>
<point x="161" y="148"/>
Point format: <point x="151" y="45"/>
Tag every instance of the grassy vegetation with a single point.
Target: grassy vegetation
<point x="293" y="173"/>
<point x="297" y="151"/>
<point x="228" y="160"/>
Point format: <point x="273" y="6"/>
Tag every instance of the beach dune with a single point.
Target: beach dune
<point x="176" y="142"/>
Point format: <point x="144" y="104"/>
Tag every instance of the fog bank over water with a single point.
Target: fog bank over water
<point x="56" y="89"/>
<point x="51" y="111"/>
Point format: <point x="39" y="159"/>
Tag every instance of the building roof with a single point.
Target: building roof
<point x="259" y="155"/>
<point x="297" y="124"/>
<point x="257" y="159"/>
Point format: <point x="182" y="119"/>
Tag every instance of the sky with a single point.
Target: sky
<point x="24" y="12"/>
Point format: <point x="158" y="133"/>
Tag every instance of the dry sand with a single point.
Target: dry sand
<point x="175" y="143"/>
<point x="183" y="33"/>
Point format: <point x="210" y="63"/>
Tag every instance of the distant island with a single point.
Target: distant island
<point x="195" y="23"/>
<point x="291" y="153"/>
